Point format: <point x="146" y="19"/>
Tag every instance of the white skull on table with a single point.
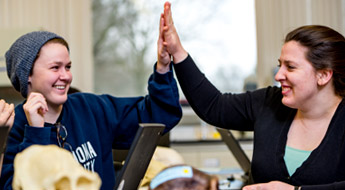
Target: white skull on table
<point x="50" y="167"/>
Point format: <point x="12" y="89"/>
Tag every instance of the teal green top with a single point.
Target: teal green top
<point x="294" y="158"/>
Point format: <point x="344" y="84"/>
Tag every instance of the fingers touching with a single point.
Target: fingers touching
<point x="35" y="108"/>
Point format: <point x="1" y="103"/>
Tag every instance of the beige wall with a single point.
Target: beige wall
<point x="72" y="19"/>
<point x="68" y="18"/>
<point x="275" y="18"/>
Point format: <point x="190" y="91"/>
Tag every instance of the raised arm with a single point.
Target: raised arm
<point x="169" y="37"/>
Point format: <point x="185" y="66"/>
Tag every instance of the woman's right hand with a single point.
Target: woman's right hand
<point x="171" y="39"/>
<point x="35" y="108"/>
<point x="6" y="113"/>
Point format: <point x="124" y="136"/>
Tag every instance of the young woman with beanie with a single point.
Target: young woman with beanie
<point x="88" y="125"/>
<point x="299" y="128"/>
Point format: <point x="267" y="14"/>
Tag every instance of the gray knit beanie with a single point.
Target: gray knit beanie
<point x="21" y="56"/>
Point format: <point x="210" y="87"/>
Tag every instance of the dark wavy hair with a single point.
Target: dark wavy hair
<point x="326" y="50"/>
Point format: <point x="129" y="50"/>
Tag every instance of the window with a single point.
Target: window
<point x="219" y="35"/>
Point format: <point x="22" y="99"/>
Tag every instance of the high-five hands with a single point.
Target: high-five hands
<point x="169" y="42"/>
<point x="164" y="58"/>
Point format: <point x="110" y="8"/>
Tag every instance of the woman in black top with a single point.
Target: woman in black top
<point x="303" y="117"/>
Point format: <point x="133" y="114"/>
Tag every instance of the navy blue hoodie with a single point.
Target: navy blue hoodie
<point x="96" y="124"/>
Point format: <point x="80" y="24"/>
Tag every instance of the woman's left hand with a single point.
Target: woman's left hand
<point x="273" y="185"/>
<point x="164" y="58"/>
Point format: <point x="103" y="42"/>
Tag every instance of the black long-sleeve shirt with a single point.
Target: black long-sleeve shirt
<point x="262" y="111"/>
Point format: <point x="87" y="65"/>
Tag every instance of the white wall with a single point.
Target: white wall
<point x="68" y="18"/>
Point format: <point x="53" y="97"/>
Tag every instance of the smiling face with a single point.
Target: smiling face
<point x="51" y="75"/>
<point x="298" y="78"/>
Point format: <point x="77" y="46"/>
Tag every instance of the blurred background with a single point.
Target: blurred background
<point x="236" y="43"/>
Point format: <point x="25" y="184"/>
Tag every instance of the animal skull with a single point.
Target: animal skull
<point x="51" y="168"/>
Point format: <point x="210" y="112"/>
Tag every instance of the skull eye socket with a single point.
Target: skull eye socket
<point x="84" y="183"/>
<point x="63" y="184"/>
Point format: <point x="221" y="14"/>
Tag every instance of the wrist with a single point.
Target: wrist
<point x="162" y="69"/>
<point x="179" y="56"/>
